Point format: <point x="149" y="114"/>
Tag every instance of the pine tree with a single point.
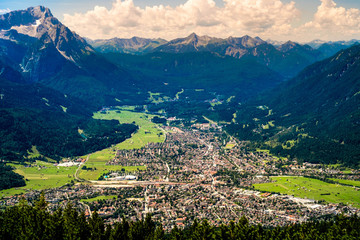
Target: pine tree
<point x="97" y="227"/>
<point x="159" y="233"/>
<point x="41" y="204"/>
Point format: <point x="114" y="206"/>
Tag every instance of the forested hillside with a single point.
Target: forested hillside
<point x="313" y="117"/>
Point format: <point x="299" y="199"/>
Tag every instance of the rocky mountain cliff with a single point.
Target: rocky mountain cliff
<point x="43" y="44"/>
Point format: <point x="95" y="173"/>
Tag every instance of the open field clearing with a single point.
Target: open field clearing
<point x="42" y="176"/>
<point x="46" y="175"/>
<point x="148" y="132"/>
<point x="312" y="189"/>
<point x="96" y="166"/>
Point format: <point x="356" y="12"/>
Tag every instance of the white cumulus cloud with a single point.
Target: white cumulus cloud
<point x="331" y="22"/>
<point x="264" y="18"/>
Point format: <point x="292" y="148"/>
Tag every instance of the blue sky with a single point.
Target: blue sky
<point x="301" y="20"/>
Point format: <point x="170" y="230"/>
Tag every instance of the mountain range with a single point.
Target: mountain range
<point x="299" y="100"/>
<point x="286" y="58"/>
<point x="134" y="45"/>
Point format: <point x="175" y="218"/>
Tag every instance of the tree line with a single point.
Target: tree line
<point x="56" y="134"/>
<point x="10" y="179"/>
<point x="35" y="222"/>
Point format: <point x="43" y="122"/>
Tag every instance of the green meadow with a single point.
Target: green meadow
<point x="96" y="165"/>
<point x="43" y="175"/>
<point x="99" y="198"/>
<point x="147" y="132"/>
<point x="347" y="182"/>
<point x="39" y="176"/>
<point x="312" y="189"/>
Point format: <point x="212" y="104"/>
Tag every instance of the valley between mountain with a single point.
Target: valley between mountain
<point x="219" y="130"/>
<point x="178" y="173"/>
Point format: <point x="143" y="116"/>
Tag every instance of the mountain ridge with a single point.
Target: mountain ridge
<point x="237" y="47"/>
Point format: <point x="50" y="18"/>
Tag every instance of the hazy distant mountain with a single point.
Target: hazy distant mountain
<point x="316" y="115"/>
<point x="210" y="72"/>
<point x="275" y="43"/>
<point x="134" y="45"/>
<point x="328" y="49"/>
<point x="286" y="60"/>
<point x="316" y="43"/>
<point x="287" y="63"/>
<point x="191" y="43"/>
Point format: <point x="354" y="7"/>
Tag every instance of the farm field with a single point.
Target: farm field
<point x="99" y="198"/>
<point x="41" y="176"/>
<point x="312" y="189"/>
<point x="147" y="132"/>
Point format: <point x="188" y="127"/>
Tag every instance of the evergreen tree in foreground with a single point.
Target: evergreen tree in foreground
<point x="27" y="222"/>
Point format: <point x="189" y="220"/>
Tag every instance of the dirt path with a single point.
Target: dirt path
<point x="77" y="170"/>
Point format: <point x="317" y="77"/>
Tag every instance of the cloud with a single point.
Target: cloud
<point x="235" y="17"/>
<point x="3" y="11"/>
<point x="331" y="22"/>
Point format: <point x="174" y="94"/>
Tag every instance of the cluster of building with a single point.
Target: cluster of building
<point x="193" y="175"/>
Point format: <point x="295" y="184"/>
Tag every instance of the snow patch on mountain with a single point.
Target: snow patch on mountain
<point x="70" y="58"/>
<point x="29" y="30"/>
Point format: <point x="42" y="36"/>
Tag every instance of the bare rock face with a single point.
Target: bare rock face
<point x="49" y="44"/>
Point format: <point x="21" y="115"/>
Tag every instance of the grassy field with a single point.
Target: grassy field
<point x="148" y="132"/>
<point x="99" y="198"/>
<point x="42" y="176"/>
<point x="312" y="189"/>
<point x="46" y="175"/>
<point x="347" y="182"/>
<point x="97" y="165"/>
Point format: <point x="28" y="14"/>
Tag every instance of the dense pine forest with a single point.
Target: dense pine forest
<point x="35" y="222"/>
<point x="9" y="179"/>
